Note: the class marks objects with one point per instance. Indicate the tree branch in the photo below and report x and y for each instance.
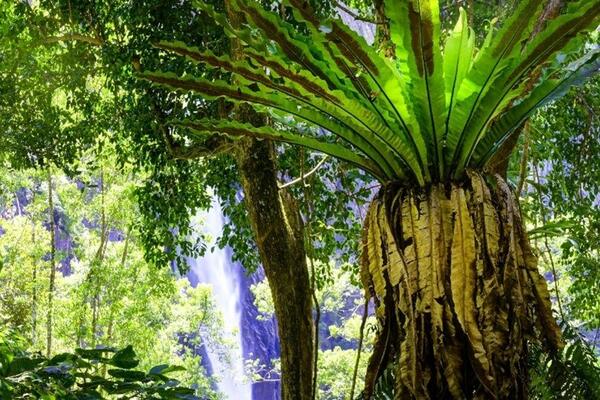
(360, 345)
(212, 146)
(95, 41)
(304, 176)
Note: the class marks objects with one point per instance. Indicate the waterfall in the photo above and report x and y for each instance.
(217, 270)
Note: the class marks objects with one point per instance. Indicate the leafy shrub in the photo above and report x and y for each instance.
(102, 373)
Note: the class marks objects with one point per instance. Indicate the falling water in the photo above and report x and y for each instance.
(216, 269)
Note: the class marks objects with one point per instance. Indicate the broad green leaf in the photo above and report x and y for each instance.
(458, 57)
(125, 358)
(558, 34)
(550, 89)
(550, 229)
(331, 103)
(295, 50)
(20, 364)
(423, 116)
(127, 375)
(237, 129)
(415, 30)
(245, 35)
(488, 67)
(370, 144)
(383, 85)
(165, 369)
(94, 354)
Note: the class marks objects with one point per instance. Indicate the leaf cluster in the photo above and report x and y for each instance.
(85, 374)
(424, 116)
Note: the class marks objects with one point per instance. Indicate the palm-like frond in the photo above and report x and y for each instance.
(426, 115)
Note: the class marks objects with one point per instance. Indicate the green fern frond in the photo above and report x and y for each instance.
(428, 114)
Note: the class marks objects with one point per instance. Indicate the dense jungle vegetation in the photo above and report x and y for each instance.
(299, 199)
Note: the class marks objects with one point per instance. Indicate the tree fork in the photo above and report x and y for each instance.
(466, 289)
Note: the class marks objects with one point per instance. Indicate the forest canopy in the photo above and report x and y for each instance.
(299, 199)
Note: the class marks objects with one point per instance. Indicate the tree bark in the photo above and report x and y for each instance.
(34, 295)
(279, 236)
(52, 267)
(384, 36)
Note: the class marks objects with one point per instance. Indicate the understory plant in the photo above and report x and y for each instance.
(100, 373)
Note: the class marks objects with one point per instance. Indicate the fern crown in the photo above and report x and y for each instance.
(427, 114)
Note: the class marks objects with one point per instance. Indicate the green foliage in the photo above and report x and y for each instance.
(82, 375)
(75, 89)
(574, 373)
(338, 300)
(109, 295)
(53, 89)
(75, 97)
(584, 304)
(124, 113)
(561, 197)
(384, 388)
(423, 116)
(336, 368)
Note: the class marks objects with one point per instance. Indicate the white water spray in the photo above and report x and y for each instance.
(216, 269)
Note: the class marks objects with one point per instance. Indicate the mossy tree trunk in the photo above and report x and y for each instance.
(279, 235)
(278, 231)
(457, 291)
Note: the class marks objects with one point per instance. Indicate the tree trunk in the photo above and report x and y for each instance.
(278, 231)
(457, 291)
(279, 236)
(95, 273)
(52, 267)
(34, 295)
(95, 317)
(384, 36)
